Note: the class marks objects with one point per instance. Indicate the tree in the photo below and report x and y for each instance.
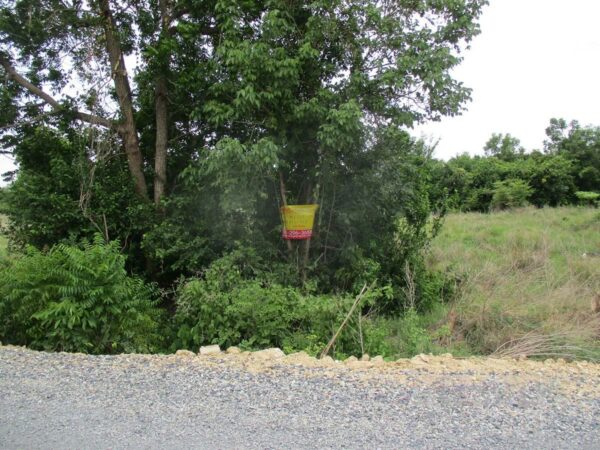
(245, 60)
(504, 146)
(511, 193)
(61, 195)
(556, 132)
(238, 106)
(580, 145)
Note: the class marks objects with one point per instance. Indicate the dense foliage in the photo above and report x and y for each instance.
(234, 109)
(509, 176)
(77, 299)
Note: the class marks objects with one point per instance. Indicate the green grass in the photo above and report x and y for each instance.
(520, 275)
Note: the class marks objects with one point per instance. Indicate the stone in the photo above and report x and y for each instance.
(184, 353)
(299, 356)
(447, 356)
(365, 357)
(420, 359)
(210, 350)
(327, 360)
(359, 364)
(233, 350)
(269, 353)
(378, 360)
(350, 360)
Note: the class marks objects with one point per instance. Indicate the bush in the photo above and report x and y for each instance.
(588, 198)
(77, 299)
(231, 305)
(510, 193)
(234, 304)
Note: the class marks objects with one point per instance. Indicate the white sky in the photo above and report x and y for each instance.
(534, 60)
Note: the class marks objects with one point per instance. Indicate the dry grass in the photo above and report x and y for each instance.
(528, 280)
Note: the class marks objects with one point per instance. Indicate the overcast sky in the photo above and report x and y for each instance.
(534, 60)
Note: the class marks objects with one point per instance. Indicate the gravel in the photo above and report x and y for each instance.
(133, 401)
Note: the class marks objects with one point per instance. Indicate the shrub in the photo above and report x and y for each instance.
(588, 198)
(233, 304)
(249, 313)
(77, 299)
(510, 193)
(415, 337)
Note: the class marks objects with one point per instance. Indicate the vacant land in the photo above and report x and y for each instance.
(526, 281)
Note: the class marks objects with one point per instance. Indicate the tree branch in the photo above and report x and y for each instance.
(23, 82)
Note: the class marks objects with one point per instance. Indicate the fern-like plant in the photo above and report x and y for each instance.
(77, 299)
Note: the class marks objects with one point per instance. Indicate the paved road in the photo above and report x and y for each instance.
(75, 401)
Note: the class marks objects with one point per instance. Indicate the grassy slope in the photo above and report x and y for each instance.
(523, 272)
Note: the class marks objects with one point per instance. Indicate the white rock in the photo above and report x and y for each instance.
(269, 353)
(233, 350)
(378, 360)
(351, 359)
(365, 357)
(300, 357)
(420, 358)
(210, 350)
(185, 353)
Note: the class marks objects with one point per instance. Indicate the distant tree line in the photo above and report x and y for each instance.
(567, 171)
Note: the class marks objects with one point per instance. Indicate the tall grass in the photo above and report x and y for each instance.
(526, 278)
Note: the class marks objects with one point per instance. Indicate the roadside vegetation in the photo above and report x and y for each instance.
(145, 214)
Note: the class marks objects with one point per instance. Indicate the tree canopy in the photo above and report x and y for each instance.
(179, 128)
(299, 75)
(567, 170)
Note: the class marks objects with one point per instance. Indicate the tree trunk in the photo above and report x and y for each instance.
(306, 246)
(161, 110)
(127, 129)
(162, 136)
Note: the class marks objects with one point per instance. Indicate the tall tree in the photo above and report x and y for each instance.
(503, 146)
(57, 43)
(229, 95)
(581, 145)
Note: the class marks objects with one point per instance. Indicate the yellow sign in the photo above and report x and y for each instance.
(298, 221)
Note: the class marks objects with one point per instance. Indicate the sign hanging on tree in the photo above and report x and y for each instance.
(298, 221)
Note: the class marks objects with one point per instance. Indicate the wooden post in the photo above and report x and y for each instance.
(284, 201)
(337, 333)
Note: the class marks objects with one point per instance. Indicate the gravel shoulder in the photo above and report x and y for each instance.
(248, 400)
